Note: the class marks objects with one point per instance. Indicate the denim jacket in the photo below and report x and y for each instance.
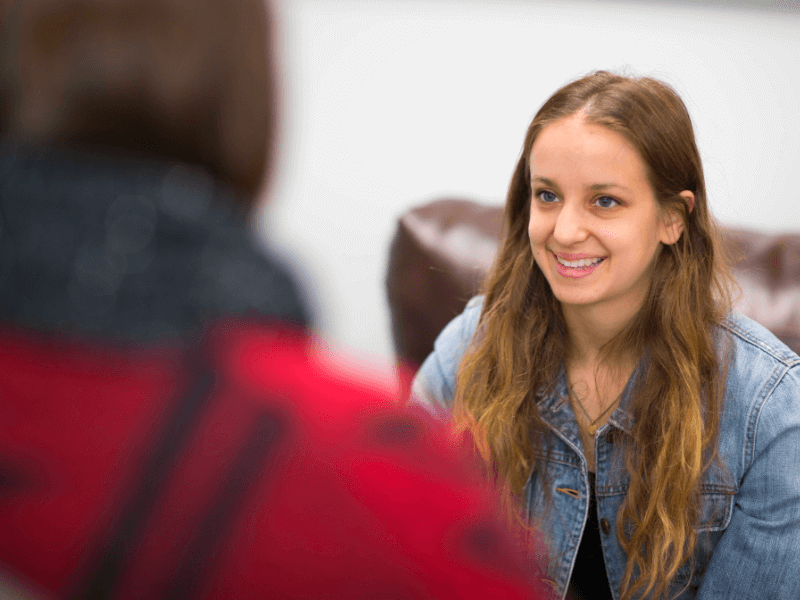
(749, 531)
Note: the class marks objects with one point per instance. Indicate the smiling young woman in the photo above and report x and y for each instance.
(648, 431)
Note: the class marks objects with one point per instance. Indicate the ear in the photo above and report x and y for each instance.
(688, 197)
(673, 223)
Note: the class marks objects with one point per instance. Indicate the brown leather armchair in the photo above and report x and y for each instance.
(442, 251)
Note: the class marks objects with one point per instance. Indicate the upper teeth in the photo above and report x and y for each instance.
(584, 262)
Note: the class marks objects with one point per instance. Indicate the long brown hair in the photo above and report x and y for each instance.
(522, 342)
(185, 79)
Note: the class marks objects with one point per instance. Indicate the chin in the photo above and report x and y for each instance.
(571, 301)
(576, 297)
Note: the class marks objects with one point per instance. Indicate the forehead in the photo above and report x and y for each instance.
(574, 149)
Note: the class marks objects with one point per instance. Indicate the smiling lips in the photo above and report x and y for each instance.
(580, 267)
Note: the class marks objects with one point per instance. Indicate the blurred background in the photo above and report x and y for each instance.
(390, 104)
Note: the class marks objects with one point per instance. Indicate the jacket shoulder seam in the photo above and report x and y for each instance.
(738, 331)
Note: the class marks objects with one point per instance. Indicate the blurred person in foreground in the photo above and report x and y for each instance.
(167, 430)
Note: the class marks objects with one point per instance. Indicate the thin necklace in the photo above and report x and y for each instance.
(592, 428)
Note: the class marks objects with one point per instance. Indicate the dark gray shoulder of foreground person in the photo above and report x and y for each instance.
(128, 248)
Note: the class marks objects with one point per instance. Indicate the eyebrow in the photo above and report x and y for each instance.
(595, 187)
(543, 180)
(599, 187)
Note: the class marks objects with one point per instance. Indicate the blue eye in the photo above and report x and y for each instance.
(547, 196)
(606, 202)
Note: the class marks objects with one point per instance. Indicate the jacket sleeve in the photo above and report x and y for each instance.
(434, 384)
(758, 556)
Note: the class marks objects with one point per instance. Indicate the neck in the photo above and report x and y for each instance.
(590, 328)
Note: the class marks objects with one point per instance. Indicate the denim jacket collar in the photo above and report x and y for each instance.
(555, 409)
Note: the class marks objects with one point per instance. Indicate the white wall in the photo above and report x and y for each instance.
(389, 104)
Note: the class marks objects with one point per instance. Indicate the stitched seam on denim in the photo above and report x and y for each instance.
(752, 423)
(715, 526)
(581, 462)
(574, 544)
(715, 489)
(610, 490)
(562, 459)
(554, 510)
(724, 520)
(710, 489)
(738, 331)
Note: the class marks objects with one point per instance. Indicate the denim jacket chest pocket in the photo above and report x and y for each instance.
(562, 522)
(716, 506)
(717, 498)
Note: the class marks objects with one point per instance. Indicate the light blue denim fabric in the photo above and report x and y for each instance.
(749, 542)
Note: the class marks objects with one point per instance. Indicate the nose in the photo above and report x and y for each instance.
(571, 226)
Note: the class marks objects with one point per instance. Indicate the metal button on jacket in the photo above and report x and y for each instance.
(605, 526)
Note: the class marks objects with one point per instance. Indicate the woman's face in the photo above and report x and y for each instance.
(595, 225)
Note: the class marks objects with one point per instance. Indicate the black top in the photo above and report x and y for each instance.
(589, 579)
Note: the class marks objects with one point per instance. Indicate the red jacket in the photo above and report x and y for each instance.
(246, 466)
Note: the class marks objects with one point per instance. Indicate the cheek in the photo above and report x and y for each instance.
(641, 247)
(536, 232)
